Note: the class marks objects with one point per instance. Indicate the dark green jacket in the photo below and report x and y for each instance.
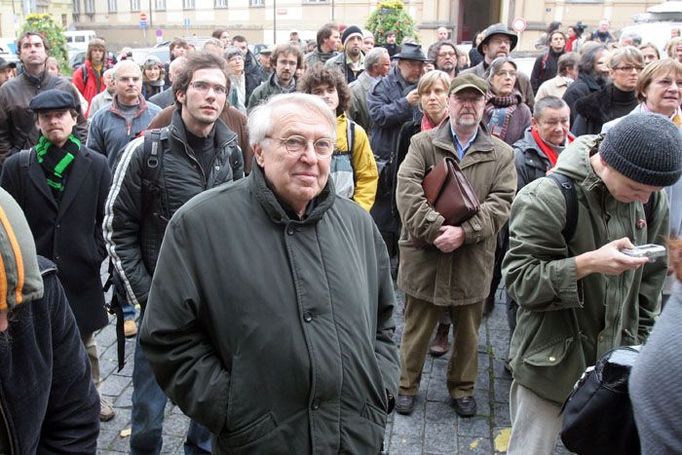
(565, 324)
(275, 334)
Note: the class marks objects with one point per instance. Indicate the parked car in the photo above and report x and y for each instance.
(141, 54)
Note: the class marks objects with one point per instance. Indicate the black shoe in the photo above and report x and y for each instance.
(405, 404)
(465, 406)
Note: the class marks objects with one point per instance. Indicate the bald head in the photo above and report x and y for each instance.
(175, 67)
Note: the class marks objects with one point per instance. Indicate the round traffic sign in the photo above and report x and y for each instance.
(143, 16)
(519, 24)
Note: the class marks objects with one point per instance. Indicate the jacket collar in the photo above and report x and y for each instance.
(115, 106)
(442, 137)
(222, 134)
(273, 206)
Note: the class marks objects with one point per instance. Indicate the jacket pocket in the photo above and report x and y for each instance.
(374, 414)
(251, 432)
(549, 354)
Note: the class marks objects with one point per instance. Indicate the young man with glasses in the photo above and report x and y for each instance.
(155, 176)
(270, 313)
(286, 59)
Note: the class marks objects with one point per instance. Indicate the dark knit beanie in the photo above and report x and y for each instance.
(646, 148)
(350, 31)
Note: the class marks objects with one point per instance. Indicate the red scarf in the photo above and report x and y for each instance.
(548, 150)
(428, 124)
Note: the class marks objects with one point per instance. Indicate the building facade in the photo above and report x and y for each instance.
(268, 21)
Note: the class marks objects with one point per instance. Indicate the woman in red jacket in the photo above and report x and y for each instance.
(88, 77)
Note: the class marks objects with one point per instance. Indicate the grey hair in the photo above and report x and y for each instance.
(262, 118)
(497, 64)
(212, 42)
(126, 64)
(548, 102)
(627, 54)
(373, 56)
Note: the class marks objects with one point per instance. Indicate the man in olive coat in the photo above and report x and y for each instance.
(455, 270)
(61, 185)
(283, 342)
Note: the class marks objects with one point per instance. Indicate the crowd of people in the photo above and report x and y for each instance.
(257, 212)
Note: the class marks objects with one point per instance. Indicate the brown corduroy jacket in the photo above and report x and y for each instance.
(233, 119)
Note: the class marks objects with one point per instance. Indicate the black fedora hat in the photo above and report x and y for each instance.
(411, 51)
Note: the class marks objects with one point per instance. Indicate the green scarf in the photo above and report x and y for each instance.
(55, 161)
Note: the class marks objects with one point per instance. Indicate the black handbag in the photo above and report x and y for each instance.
(597, 416)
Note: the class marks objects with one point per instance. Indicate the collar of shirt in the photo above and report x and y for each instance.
(462, 148)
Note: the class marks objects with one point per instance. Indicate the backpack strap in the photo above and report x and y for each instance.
(567, 188)
(84, 72)
(350, 140)
(152, 187)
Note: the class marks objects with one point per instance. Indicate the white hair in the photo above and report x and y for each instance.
(262, 118)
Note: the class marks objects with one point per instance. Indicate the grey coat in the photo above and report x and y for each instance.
(283, 342)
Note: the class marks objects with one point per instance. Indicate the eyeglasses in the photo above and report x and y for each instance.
(506, 73)
(297, 145)
(628, 68)
(203, 87)
(499, 41)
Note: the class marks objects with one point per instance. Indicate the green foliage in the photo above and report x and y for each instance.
(391, 15)
(54, 37)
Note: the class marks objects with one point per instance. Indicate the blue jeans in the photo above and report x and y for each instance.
(146, 417)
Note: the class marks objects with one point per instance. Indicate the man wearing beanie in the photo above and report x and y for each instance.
(351, 62)
(580, 295)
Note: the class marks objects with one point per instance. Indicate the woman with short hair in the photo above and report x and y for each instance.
(616, 99)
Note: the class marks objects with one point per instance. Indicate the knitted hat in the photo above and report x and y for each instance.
(352, 30)
(646, 148)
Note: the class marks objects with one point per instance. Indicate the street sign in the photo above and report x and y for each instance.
(144, 24)
(143, 17)
(519, 24)
(185, 22)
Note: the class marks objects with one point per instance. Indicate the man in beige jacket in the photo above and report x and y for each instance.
(455, 270)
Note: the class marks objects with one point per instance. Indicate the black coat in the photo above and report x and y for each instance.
(68, 233)
(585, 85)
(46, 392)
(545, 68)
(597, 108)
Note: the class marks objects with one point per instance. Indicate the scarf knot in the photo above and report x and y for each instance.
(56, 161)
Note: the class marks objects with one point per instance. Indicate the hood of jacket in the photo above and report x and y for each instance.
(20, 279)
(574, 161)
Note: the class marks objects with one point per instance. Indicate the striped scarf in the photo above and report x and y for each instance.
(56, 161)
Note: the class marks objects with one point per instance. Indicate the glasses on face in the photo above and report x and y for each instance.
(203, 88)
(287, 63)
(506, 73)
(628, 68)
(129, 79)
(467, 99)
(500, 41)
(297, 145)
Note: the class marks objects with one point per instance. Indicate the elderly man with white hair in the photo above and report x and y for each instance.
(282, 342)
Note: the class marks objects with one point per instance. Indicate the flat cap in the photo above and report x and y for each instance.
(52, 100)
(4, 64)
(468, 80)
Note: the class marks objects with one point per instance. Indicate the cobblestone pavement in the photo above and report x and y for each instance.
(433, 428)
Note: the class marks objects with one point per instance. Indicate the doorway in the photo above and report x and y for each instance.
(474, 16)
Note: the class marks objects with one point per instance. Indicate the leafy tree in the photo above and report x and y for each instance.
(53, 35)
(390, 15)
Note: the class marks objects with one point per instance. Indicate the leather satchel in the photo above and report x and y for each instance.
(449, 192)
